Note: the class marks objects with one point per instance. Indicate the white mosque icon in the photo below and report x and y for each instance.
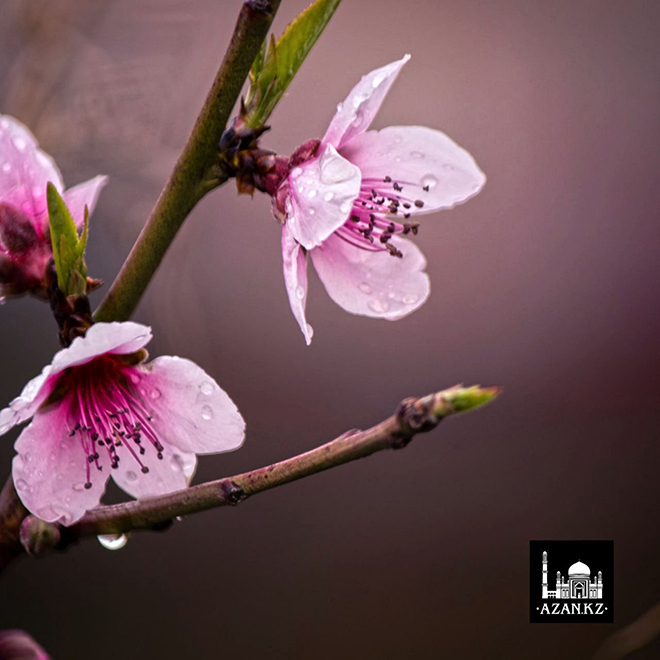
(579, 585)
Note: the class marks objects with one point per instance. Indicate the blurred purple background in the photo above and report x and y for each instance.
(546, 283)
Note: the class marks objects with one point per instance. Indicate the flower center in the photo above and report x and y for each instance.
(107, 414)
(380, 211)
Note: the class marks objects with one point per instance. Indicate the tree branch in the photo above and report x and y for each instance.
(193, 174)
(413, 416)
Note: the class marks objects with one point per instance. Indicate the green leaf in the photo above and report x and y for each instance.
(68, 248)
(273, 70)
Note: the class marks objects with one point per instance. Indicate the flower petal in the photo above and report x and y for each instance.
(102, 338)
(171, 473)
(27, 403)
(416, 157)
(84, 194)
(50, 469)
(295, 280)
(356, 113)
(190, 411)
(373, 283)
(321, 195)
(24, 171)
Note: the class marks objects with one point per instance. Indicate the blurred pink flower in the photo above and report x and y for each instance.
(97, 410)
(25, 246)
(349, 197)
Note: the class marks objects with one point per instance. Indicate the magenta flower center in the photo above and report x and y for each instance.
(380, 211)
(106, 411)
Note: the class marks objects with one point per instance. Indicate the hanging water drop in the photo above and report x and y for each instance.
(207, 413)
(113, 541)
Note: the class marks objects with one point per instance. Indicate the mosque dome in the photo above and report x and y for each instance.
(579, 569)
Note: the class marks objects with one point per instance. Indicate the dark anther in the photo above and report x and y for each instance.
(394, 208)
(88, 485)
(426, 188)
(355, 218)
(419, 203)
(391, 228)
(160, 455)
(145, 469)
(397, 187)
(90, 459)
(406, 205)
(388, 179)
(393, 251)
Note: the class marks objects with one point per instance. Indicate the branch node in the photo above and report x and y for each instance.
(39, 537)
(260, 7)
(414, 416)
(232, 493)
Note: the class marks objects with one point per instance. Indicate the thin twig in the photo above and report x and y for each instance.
(413, 416)
(190, 180)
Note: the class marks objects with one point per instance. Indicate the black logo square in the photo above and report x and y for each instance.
(571, 581)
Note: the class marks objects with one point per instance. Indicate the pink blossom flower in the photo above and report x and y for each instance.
(25, 246)
(97, 410)
(348, 198)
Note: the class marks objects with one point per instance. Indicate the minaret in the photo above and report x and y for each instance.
(558, 586)
(544, 583)
(599, 590)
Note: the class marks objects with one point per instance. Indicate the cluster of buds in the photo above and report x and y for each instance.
(253, 167)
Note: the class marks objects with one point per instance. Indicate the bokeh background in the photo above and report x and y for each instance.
(546, 283)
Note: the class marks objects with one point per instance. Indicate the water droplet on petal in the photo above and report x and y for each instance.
(131, 476)
(416, 155)
(312, 193)
(301, 189)
(410, 298)
(379, 306)
(397, 159)
(79, 487)
(398, 139)
(27, 457)
(155, 393)
(345, 207)
(21, 484)
(376, 82)
(340, 107)
(20, 143)
(135, 378)
(207, 413)
(300, 293)
(429, 181)
(328, 196)
(6, 167)
(365, 287)
(113, 541)
(391, 295)
(206, 388)
(297, 171)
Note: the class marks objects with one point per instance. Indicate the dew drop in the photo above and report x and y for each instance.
(135, 378)
(410, 298)
(21, 484)
(312, 193)
(429, 181)
(365, 287)
(206, 388)
(311, 211)
(378, 80)
(416, 155)
(297, 171)
(300, 293)
(345, 207)
(397, 159)
(27, 457)
(155, 393)
(79, 487)
(328, 196)
(301, 189)
(20, 143)
(6, 167)
(391, 295)
(113, 541)
(379, 306)
(207, 413)
(340, 107)
(131, 476)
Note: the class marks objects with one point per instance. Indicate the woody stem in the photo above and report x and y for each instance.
(197, 171)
